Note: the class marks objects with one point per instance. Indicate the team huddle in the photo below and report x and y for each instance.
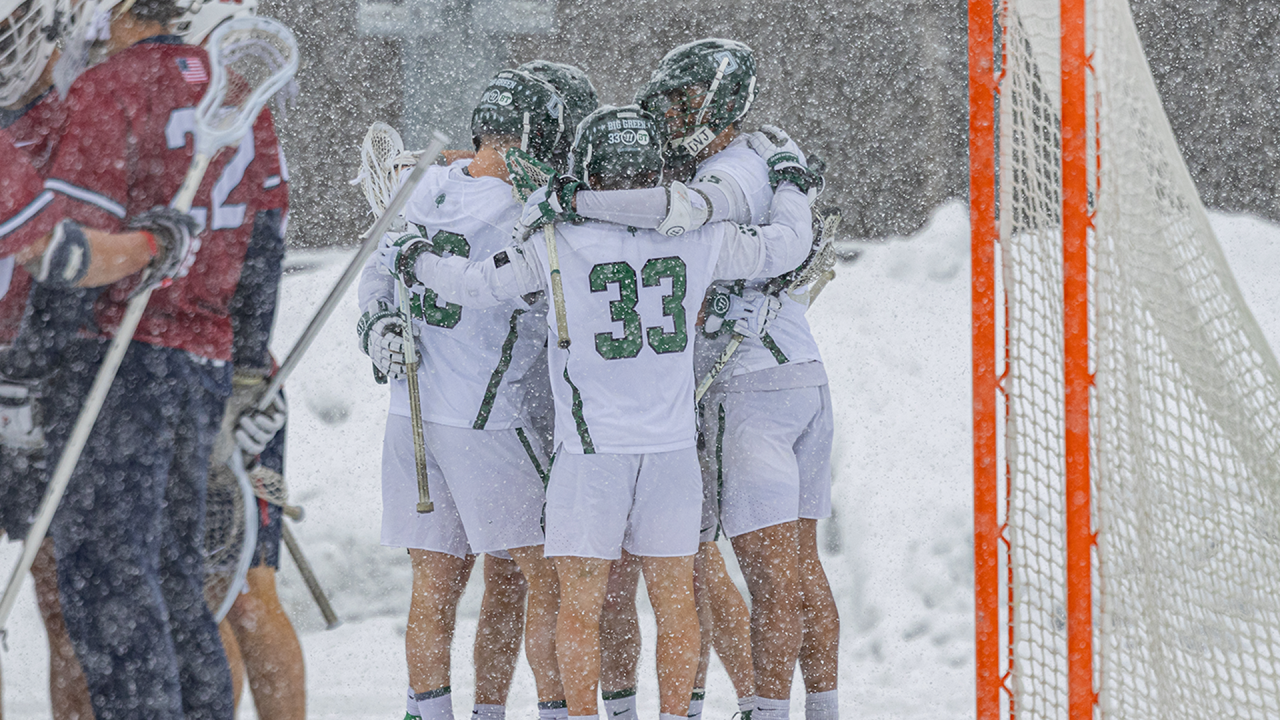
(593, 330)
(556, 345)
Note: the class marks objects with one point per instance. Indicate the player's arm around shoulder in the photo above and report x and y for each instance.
(762, 251)
(506, 275)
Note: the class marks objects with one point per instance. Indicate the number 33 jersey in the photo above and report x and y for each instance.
(473, 359)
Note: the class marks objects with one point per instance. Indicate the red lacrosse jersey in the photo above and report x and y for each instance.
(23, 199)
(34, 130)
(126, 147)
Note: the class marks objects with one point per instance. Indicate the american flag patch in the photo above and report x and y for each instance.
(192, 70)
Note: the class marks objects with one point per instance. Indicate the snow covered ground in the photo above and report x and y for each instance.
(894, 332)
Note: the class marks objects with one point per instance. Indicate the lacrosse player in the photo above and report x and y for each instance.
(486, 474)
(626, 471)
(129, 532)
(768, 424)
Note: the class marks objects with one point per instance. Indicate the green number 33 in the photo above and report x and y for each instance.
(623, 309)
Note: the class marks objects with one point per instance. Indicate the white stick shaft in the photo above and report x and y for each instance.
(557, 287)
(191, 183)
(249, 544)
(74, 447)
(371, 240)
(714, 373)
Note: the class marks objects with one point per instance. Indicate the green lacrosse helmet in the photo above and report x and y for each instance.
(519, 105)
(722, 72)
(580, 99)
(617, 142)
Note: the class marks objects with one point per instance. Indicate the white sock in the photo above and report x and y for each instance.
(695, 703)
(553, 710)
(668, 716)
(584, 717)
(746, 705)
(769, 709)
(620, 705)
(488, 712)
(822, 706)
(435, 704)
(411, 706)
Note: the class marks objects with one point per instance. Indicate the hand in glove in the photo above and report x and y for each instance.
(177, 243)
(20, 428)
(547, 204)
(786, 162)
(381, 331)
(748, 314)
(256, 428)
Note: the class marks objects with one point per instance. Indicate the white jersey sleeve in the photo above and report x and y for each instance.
(497, 279)
(377, 284)
(765, 251)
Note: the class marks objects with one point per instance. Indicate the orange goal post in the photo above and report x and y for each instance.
(1126, 406)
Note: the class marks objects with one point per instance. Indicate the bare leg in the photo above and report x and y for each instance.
(269, 645)
(670, 585)
(498, 632)
(702, 602)
(540, 626)
(67, 687)
(730, 622)
(438, 582)
(620, 627)
(769, 558)
(234, 659)
(582, 589)
(820, 651)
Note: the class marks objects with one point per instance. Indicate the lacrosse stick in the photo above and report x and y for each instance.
(369, 243)
(265, 55)
(309, 577)
(527, 175)
(814, 269)
(382, 159)
(229, 545)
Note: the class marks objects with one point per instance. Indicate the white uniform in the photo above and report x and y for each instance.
(626, 472)
(767, 422)
(487, 478)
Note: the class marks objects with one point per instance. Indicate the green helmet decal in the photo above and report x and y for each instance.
(580, 99)
(519, 105)
(617, 142)
(700, 88)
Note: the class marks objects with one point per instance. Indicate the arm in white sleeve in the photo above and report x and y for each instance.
(376, 281)
(690, 207)
(504, 276)
(765, 251)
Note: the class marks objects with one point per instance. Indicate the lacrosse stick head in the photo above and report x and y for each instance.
(252, 58)
(527, 173)
(383, 160)
(224, 536)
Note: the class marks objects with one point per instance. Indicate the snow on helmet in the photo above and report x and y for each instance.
(200, 17)
(720, 72)
(617, 142)
(580, 99)
(520, 105)
(29, 33)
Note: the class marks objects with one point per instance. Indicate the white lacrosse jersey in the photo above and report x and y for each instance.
(472, 361)
(788, 337)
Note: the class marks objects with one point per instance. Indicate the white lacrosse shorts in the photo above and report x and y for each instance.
(767, 453)
(599, 504)
(486, 486)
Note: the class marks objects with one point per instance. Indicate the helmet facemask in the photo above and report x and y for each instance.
(28, 37)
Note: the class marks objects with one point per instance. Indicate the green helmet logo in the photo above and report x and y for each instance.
(618, 143)
(517, 104)
(699, 89)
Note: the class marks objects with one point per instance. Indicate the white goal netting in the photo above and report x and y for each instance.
(1185, 412)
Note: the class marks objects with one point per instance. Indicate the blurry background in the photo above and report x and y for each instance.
(877, 87)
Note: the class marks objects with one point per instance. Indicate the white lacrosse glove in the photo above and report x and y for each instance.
(751, 312)
(785, 160)
(381, 331)
(256, 428)
(20, 428)
(550, 203)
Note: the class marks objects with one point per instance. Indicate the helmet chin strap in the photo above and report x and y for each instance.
(703, 136)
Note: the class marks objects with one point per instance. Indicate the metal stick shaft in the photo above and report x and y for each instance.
(309, 577)
(415, 403)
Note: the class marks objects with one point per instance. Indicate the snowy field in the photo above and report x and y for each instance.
(894, 333)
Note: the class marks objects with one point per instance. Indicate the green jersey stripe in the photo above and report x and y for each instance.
(584, 433)
(528, 448)
(495, 380)
(772, 347)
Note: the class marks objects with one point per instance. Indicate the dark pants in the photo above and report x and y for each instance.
(129, 534)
